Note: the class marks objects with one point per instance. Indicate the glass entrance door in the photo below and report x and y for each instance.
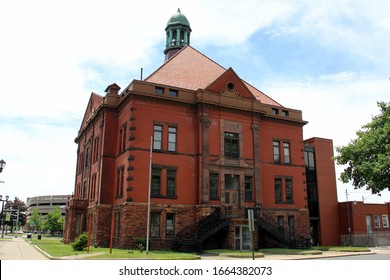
(242, 238)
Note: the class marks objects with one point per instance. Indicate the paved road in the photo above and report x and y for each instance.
(18, 249)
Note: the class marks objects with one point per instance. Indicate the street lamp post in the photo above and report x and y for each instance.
(2, 213)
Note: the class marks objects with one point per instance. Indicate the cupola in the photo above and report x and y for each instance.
(177, 34)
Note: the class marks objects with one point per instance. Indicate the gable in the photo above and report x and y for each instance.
(230, 84)
(94, 102)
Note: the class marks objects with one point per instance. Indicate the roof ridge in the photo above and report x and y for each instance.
(262, 92)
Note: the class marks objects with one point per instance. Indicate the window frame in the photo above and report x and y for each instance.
(377, 221)
(173, 134)
(156, 174)
(248, 191)
(276, 151)
(171, 189)
(157, 140)
(155, 228)
(214, 187)
(286, 153)
(385, 218)
(231, 144)
(278, 186)
(170, 229)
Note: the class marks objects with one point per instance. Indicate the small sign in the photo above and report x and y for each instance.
(251, 220)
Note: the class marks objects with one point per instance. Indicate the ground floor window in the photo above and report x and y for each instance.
(170, 225)
(242, 238)
(155, 225)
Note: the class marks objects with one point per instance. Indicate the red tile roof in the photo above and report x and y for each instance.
(193, 70)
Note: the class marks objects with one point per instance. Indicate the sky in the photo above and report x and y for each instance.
(329, 59)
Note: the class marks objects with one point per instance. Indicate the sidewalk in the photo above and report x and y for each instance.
(18, 249)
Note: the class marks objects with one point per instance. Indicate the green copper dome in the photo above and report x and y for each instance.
(178, 19)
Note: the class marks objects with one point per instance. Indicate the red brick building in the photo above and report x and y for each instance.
(219, 147)
(364, 224)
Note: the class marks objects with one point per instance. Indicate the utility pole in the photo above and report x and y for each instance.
(349, 222)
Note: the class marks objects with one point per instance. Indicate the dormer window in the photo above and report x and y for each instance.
(275, 111)
(173, 92)
(159, 90)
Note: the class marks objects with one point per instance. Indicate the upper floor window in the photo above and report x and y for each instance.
(122, 138)
(171, 182)
(214, 185)
(278, 190)
(157, 137)
(173, 92)
(156, 182)
(277, 151)
(248, 188)
(231, 144)
(283, 190)
(159, 90)
(172, 139)
(120, 181)
(286, 152)
(276, 148)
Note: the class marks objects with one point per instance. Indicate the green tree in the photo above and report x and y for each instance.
(54, 220)
(36, 219)
(19, 209)
(367, 158)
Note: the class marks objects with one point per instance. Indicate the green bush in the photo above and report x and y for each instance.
(81, 242)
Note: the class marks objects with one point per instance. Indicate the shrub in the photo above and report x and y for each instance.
(140, 244)
(81, 242)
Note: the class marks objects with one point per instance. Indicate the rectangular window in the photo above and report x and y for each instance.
(156, 182)
(385, 221)
(117, 223)
(155, 225)
(173, 92)
(275, 111)
(280, 227)
(159, 90)
(231, 144)
(122, 138)
(171, 183)
(289, 190)
(170, 226)
(377, 221)
(248, 188)
(120, 181)
(157, 137)
(276, 151)
(291, 226)
(278, 190)
(286, 152)
(285, 113)
(214, 185)
(172, 139)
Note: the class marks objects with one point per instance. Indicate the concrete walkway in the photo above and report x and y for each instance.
(18, 249)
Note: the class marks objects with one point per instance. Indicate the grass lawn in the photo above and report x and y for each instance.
(55, 248)
(341, 248)
(234, 253)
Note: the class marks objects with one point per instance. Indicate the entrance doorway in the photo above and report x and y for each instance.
(242, 238)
